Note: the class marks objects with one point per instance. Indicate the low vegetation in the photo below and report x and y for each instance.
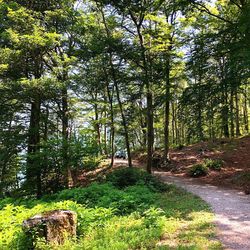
(198, 170)
(141, 213)
(213, 164)
(202, 169)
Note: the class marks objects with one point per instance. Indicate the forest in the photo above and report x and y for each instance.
(83, 82)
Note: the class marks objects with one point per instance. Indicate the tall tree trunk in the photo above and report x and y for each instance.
(105, 137)
(149, 97)
(150, 129)
(167, 107)
(45, 139)
(237, 114)
(97, 127)
(173, 123)
(113, 73)
(112, 125)
(124, 121)
(143, 125)
(105, 126)
(199, 109)
(224, 111)
(65, 136)
(199, 123)
(33, 174)
(245, 111)
(232, 112)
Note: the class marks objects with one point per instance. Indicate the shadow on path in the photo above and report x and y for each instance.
(231, 208)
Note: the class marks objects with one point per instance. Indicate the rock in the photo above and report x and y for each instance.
(55, 226)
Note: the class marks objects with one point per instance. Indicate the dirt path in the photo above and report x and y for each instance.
(231, 208)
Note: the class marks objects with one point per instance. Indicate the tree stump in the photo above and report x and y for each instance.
(55, 226)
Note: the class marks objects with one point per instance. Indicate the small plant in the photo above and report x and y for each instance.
(178, 146)
(198, 170)
(152, 216)
(213, 164)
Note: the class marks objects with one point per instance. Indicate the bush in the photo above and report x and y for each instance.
(128, 200)
(90, 162)
(198, 170)
(178, 146)
(126, 177)
(213, 164)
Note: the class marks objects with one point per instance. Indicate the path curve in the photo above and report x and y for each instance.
(231, 208)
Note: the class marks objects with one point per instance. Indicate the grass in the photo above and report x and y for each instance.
(138, 215)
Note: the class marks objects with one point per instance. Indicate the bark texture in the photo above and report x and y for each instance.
(55, 226)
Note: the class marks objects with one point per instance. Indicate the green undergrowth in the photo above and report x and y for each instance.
(141, 213)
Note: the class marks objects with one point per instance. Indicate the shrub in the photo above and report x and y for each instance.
(198, 170)
(126, 177)
(178, 146)
(90, 162)
(213, 164)
(128, 200)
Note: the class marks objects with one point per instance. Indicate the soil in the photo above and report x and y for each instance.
(235, 154)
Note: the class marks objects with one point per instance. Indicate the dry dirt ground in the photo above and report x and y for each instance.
(235, 155)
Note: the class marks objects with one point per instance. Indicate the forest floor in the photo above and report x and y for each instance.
(231, 208)
(235, 154)
(221, 189)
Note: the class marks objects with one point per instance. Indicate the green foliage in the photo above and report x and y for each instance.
(198, 170)
(178, 146)
(125, 177)
(202, 169)
(134, 217)
(213, 164)
(90, 162)
(130, 199)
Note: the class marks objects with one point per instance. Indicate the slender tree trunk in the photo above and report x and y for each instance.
(45, 139)
(173, 123)
(65, 135)
(150, 129)
(105, 137)
(113, 73)
(149, 97)
(176, 125)
(245, 111)
(33, 174)
(112, 136)
(124, 122)
(143, 125)
(232, 112)
(167, 107)
(199, 107)
(97, 128)
(105, 126)
(112, 126)
(224, 112)
(237, 112)
(166, 127)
